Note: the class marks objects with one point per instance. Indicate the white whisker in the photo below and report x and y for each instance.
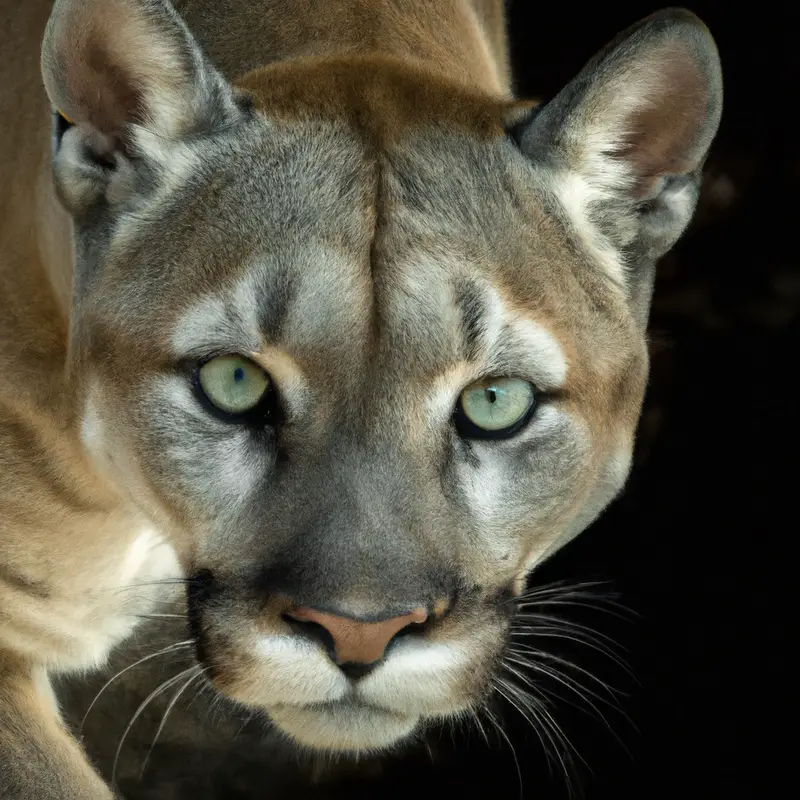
(192, 678)
(142, 706)
(499, 729)
(522, 650)
(564, 680)
(578, 627)
(582, 636)
(534, 622)
(530, 715)
(563, 588)
(501, 687)
(543, 723)
(164, 582)
(170, 649)
(479, 725)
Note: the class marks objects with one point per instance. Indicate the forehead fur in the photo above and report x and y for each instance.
(384, 99)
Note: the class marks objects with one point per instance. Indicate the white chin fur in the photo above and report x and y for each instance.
(343, 727)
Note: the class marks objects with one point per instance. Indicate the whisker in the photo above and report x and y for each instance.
(540, 615)
(579, 637)
(608, 608)
(142, 706)
(181, 617)
(430, 752)
(500, 730)
(575, 634)
(505, 691)
(543, 722)
(529, 617)
(565, 588)
(522, 650)
(577, 595)
(479, 725)
(244, 724)
(192, 678)
(204, 686)
(612, 701)
(161, 582)
(569, 683)
(170, 649)
(566, 633)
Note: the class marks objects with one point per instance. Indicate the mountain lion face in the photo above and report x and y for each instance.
(366, 344)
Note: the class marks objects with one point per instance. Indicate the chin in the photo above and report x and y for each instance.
(343, 727)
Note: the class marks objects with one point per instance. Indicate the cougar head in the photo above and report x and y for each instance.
(367, 345)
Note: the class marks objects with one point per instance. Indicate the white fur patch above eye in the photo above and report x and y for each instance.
(548, 361)
(92, 427)
(323, 301)
(525, 348)
(210, 324)
(542, 358)
(137, 554)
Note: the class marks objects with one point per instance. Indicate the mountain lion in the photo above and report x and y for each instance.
(301, 308)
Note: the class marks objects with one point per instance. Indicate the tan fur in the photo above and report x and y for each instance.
(93, 514)
(462, 40)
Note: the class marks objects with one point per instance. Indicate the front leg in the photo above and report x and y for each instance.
(39, 758)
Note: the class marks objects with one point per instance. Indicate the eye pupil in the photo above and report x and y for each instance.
(232, 385)
(495, 408)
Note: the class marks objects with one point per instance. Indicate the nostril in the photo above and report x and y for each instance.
(412, 629)
(354, 670)
(312, 630)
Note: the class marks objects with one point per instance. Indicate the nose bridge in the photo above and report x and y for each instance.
(363, 492)
(359, 544)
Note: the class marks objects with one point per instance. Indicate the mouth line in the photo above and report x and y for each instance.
(345, 704)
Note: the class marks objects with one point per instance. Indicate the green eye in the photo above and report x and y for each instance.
(495, 408)
(233, 384)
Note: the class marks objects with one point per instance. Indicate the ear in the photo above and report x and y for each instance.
(623, 146)
(131, 84)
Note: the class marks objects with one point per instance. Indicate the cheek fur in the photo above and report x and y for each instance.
(214, 464)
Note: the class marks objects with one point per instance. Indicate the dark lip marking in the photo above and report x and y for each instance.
(352, 703)
(199, 589)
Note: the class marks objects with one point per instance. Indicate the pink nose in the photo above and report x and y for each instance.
(356, 641)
